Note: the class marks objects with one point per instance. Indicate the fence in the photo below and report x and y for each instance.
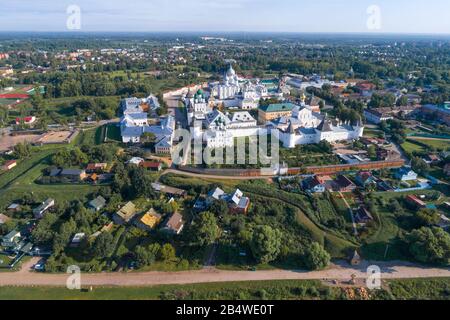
(376, 165)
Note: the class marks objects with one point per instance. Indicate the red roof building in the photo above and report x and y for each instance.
(9, 165)
(152, 165)
(413, 200)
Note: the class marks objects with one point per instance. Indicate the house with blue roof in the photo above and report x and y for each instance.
(406, 174)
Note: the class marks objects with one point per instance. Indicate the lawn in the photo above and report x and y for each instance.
(420, 145)
(410, 147)
(438, 144)
(26, 165)
(421, 289)
(113, 133)
(209, 291)
(19, 181)
(384, 243)
(410, 289)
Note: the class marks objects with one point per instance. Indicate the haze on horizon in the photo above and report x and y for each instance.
(397, 16)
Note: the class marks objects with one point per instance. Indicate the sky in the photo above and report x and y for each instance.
(355, 16)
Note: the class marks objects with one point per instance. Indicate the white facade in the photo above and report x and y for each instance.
(325, 131)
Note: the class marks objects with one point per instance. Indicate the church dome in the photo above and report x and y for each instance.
(231, 72)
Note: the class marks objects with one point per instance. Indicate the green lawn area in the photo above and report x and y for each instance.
(441, 144)
(209, 291)
(373, 133)
(410, 147)
(414, 144)
(113, 133)
(384, 243)
(4, 262)
(26, 165)
(19, 181)
(421, 289)
(410, 289)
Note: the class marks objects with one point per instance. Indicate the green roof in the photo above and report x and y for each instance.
(277, 107)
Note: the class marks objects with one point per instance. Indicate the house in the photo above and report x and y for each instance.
(136, 161)
(151, 165)
(4, 219)
(73, 174)
(8, 165)
(125, 214)
(364, 178)
(444, 222)
(26, 120)
(12, 239)
(148, 221)
(355, 259)
(238, 203)
(54, 172)
(42, 208)
(344, 184)
(377, 116)
(174, 224)
(13, 207)
(314, 184)
(77, 239)
(275, 111)
(214, 195)
(93, 178)
(363, 216)
(447, 169)
(96, 167)
(415, 202)
(97, 204)
(432, 159)
(170, 191)
(200, 204)
(406, 174)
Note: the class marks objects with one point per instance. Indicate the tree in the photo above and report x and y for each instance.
(22, 150)
(62, 238)
(265, 244)
(372, 152)
(205, 229)
(420, 166)
(103, 246)
(402, 101)
(148, 139)
(43, 233)
(167, 252)
(430, 245)
(219, 207)
(317, 257)
(141, 183)
(428, 217)
(144, 256)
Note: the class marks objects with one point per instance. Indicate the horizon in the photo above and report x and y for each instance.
(403, 17)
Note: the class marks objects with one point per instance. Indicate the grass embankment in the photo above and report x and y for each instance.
(411, 289)
(210, 291)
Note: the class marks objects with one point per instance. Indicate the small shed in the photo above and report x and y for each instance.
(355, 259)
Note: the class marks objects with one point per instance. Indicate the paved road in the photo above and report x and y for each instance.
(340, 272)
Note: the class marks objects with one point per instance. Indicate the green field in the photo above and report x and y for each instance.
(421, 145)
(211, 291)
(19, 181)
(411, 289)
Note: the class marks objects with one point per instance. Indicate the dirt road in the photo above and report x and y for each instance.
(340, 271)
(216, 177)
